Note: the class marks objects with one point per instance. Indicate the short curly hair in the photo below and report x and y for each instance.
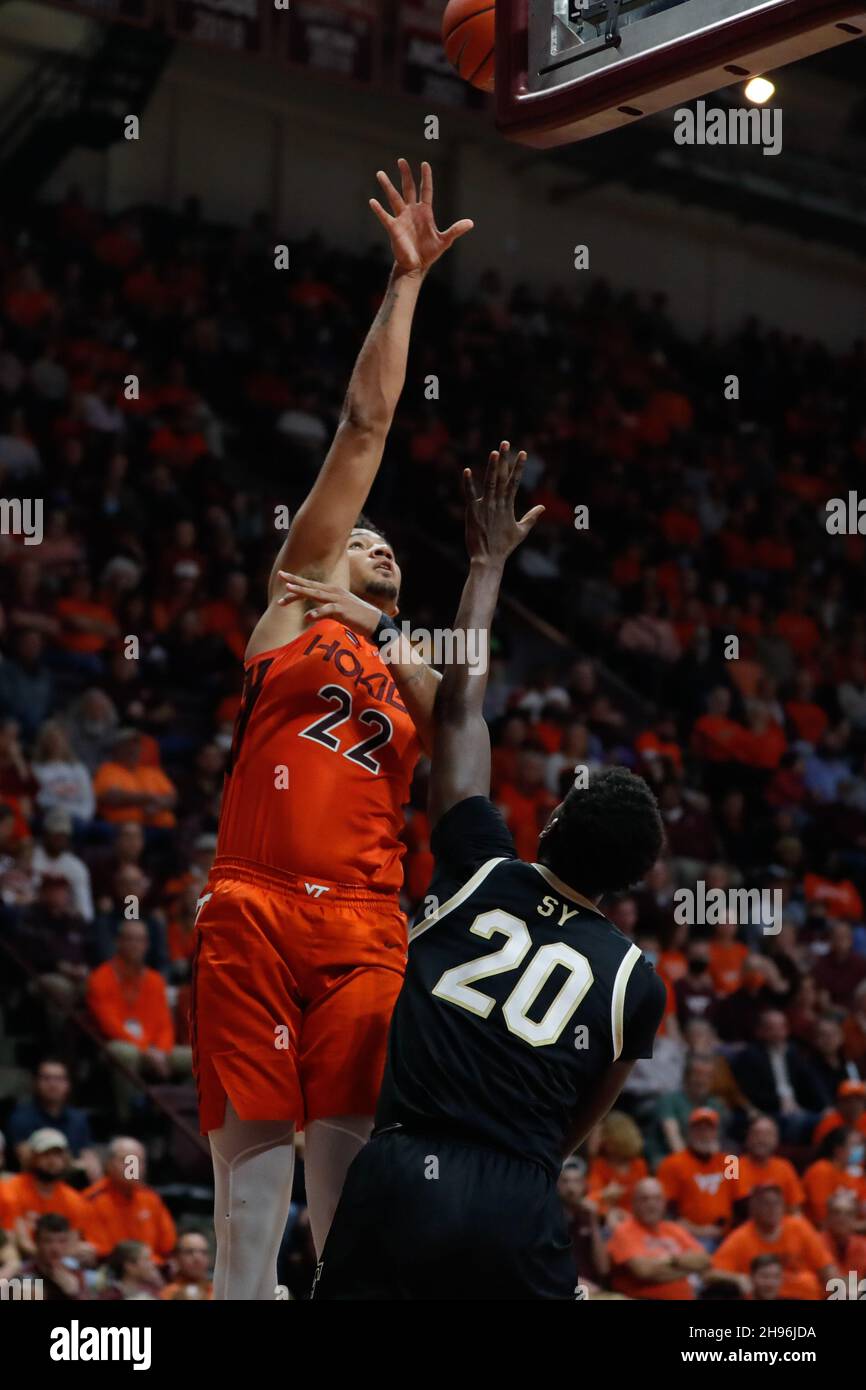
(603, 838)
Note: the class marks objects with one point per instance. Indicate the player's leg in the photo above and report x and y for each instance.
(344, 1040)
(330, 1145)
(253, 1163)
(245, 1017)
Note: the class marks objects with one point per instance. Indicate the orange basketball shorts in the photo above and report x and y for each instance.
(293, 987)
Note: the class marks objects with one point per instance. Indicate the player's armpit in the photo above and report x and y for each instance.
(598, 1100)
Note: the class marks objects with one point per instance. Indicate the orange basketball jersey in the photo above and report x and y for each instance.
(321, 761)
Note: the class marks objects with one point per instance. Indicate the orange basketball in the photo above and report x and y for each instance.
(469, 36)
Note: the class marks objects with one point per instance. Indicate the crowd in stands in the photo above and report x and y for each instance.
(164, 391)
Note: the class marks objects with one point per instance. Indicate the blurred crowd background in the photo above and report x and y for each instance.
(122, 635)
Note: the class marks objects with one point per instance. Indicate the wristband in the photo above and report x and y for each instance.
(385, 631)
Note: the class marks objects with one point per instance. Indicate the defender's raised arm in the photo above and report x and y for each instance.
(461, 742)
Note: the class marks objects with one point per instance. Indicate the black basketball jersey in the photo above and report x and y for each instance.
(518, 995)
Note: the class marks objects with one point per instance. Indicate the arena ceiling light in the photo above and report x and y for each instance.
(759, 90)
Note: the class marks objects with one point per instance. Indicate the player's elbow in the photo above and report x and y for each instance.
(366, 414)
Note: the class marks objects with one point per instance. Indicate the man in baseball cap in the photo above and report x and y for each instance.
(40, 1188)
(850, 1111)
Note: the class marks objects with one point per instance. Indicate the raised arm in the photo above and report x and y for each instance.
(461, 743)
(318, 535)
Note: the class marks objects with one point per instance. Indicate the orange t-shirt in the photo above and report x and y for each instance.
(726, 964)
(74, 640)
(602, 1172)
(146, 779)
(821, 1180)
(324, 709)
(131, 1009)
(718, 739)
(128, 1211)
(840, 899)
(775, 1171)
(801, 1249)
(632, 1241)
(697, 1187)
(833, 1120)
(20, 1197)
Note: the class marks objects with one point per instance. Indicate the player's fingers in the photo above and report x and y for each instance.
(426, 182)
(407, 181)
(289, 598)
(503, 469)
(468, 486)
(516, 474)
(488, 487)
(457, 229)
(395, 201)
(380, 212)
(527, 522)
(324, 610)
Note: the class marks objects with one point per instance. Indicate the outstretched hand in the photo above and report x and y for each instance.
(492, 529)
(415, 239)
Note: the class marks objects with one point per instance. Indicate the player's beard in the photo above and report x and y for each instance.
(378, 589)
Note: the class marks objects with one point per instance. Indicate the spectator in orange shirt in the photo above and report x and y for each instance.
(652, 1257)
(727, 958)
(129, 1005)
(839, 896)
(805, 1255)
(847, 1248)
(615, 1171)
(715, 736)
(191, 1263)
(127, 789)
(761, 1166)
(86, 625)
(850, 1111)
(525, 802)
(697, 1183)
(39, 1189)
(830, 1174)
(123, 1207)
(767, 1273)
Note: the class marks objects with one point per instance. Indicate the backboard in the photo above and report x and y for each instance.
(568, 69)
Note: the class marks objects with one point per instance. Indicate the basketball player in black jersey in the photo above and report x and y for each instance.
(522, 1012)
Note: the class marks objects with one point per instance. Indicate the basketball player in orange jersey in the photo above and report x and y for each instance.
(301, 945)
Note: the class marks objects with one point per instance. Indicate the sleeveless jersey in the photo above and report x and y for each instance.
(321, 762)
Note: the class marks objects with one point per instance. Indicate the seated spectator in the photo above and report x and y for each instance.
(41, 1188)
(618, 1166)
(131, 890)
(526, 803)
(190, 1263)
(846, 1246)
(766, 1273)
(128, 789)
(651, 1257)
(87, 625)
(776, 1078)
(63, 780)
(727, 958)
(827, 1056)
(52, 938)
(804, 1253)
(53, 858)
(131, 1273)
(831, 1173)
(129, 1005)
(698, 1180)
(850, 1111)
(842, 970)
(763, 987)
(50, 1109)
(695, 991)
(854, 1029)
(121, 1203)
(672, 1113)
(26, 684)
(53, 1261)
(18, 786)
(761, 1166)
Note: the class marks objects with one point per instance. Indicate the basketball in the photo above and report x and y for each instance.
(469, 37)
